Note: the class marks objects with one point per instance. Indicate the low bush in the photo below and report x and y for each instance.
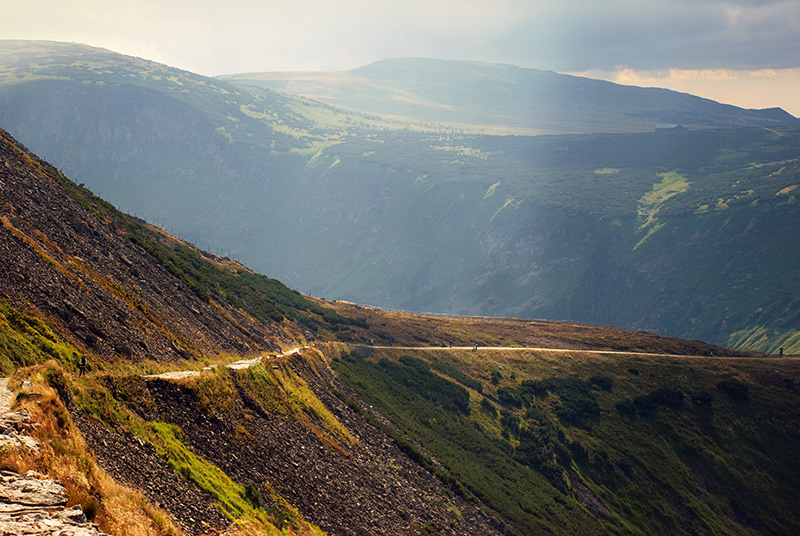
(663, 396)
(626, 407)
(457, 375)
(604, 383)
(416, 375)
(702, 398)
(671, 397)
(735, 389)
(488, 407)
(578, 402)
(509, 396)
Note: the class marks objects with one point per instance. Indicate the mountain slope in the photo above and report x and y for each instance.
(506, 99)
(189, 137)
(578, 444)
(219, 450)
(589, 430)
(685, 233)
(69, 260)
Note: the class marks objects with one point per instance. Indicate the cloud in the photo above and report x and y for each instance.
(762, 88)
(764, 73)
(650, 34)
(213, 37)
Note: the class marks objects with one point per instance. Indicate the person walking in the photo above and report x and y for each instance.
(82, 364)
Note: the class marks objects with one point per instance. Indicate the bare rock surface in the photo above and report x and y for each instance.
(14, 426)
(31, 490)
(138, 465)
(33, 505)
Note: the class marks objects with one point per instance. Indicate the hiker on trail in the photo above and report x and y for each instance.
(475, 347)
(82, 365)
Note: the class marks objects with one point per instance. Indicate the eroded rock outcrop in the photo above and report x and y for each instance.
(32, 505)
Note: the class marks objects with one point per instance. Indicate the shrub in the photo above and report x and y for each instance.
(509, 397)
(735, 389)
(603, 383)
(429, 529)
(626, 407)
(578, 450)
(702, 398)
(488, 407)
(510, 422)
(416, 375)
(663, 396)
(253, 495)
(668, 396)
(457, 375)
(577, 399)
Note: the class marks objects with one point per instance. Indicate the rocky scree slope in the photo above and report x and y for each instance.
(353, 484)
(66, 260)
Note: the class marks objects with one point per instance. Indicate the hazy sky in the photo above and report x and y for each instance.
(743, 52)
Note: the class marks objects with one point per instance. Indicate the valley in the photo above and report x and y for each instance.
(686, 233)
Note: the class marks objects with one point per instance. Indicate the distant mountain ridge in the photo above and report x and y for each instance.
(681, 233)
(498, 97)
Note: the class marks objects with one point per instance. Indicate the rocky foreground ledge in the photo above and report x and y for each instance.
(33, 505)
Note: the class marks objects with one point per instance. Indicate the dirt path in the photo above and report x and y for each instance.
(6, 396)
(235, 365)
(562, 350)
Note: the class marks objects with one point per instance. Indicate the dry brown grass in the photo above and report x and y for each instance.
(413, 329)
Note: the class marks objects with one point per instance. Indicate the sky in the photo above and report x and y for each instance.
(741, 52)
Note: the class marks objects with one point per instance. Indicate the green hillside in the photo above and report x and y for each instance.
(682, 233)
(581, 444)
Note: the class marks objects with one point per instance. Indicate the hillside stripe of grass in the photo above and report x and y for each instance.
(210, 478)
(26, 340)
